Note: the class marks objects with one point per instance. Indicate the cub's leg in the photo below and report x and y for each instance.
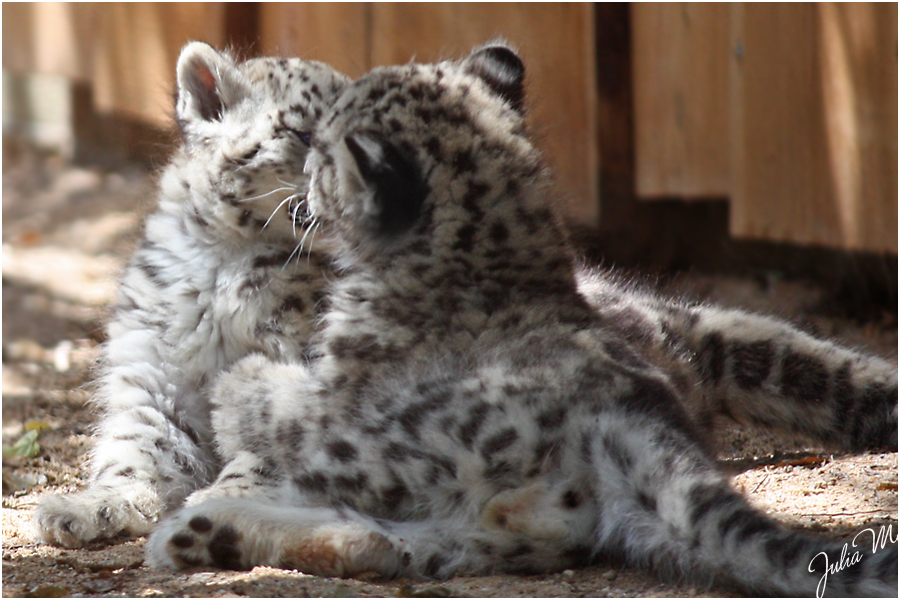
(145, 462)
(154, 445)
(246, 475)
(264, 406)
(238, 534)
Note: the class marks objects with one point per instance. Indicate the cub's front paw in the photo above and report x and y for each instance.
(98, 513)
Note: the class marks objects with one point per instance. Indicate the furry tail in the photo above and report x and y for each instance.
(764, 372)
(665, 506)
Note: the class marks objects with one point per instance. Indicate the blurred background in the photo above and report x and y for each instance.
(752, 138)
(783, 115)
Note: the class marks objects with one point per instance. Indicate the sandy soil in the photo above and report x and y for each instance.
(67, 232)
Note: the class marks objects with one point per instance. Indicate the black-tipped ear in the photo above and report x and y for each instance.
(502, 70)
(208, 83)
(392, 181)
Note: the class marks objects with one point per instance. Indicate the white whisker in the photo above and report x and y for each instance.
(308, 229)
(287, 183)
(309, 252)
(277, 208)
(281, 189)
(297, 251)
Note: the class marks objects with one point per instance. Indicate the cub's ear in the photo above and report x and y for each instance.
(502, 70)
(208, 84)
(387, 181)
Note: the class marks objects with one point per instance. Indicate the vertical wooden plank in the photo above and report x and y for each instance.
(53, 38)
(241, 23)
(336, 33)
(863, 39)
(815, 125)
(135, 55)
(557, 45)
(18, 24)
(128, 49)
(120, 62)
(681, 66)
(779, 172)
(615, 111)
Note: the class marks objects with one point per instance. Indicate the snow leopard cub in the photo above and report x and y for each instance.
(218, 275)
(469, 410)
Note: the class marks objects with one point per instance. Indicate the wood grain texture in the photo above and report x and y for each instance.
(814, 122)
(556, 42)
(680, 54)
(336, 33)
(136, 52)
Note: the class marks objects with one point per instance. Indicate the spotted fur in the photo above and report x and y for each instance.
(468, 408)
(754, 369)
(218, 275)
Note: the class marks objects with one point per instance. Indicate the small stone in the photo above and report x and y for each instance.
(115, 182)
(338, 591)
(46, 591)
(99, 586)
(610, 575)
(74, 181)
(568, 574)
(62, 356)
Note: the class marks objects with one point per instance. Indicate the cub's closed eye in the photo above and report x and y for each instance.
(303, 136)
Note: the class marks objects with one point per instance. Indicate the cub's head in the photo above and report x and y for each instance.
(246, 132)
(433, 159)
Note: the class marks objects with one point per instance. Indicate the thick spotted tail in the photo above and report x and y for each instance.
(664, 506)
(764, 372)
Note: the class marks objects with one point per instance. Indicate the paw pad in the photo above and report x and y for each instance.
(200, 524)
(182, 540)
(202, 541)
(223, 549)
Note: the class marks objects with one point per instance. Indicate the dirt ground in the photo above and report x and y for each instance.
(66, 233)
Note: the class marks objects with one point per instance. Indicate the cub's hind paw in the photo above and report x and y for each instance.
(191, 539)
(238, 534)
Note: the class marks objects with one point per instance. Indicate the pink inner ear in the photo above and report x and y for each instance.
(202, 85)
(206, 78)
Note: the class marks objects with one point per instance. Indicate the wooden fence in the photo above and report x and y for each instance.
(787, 112)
